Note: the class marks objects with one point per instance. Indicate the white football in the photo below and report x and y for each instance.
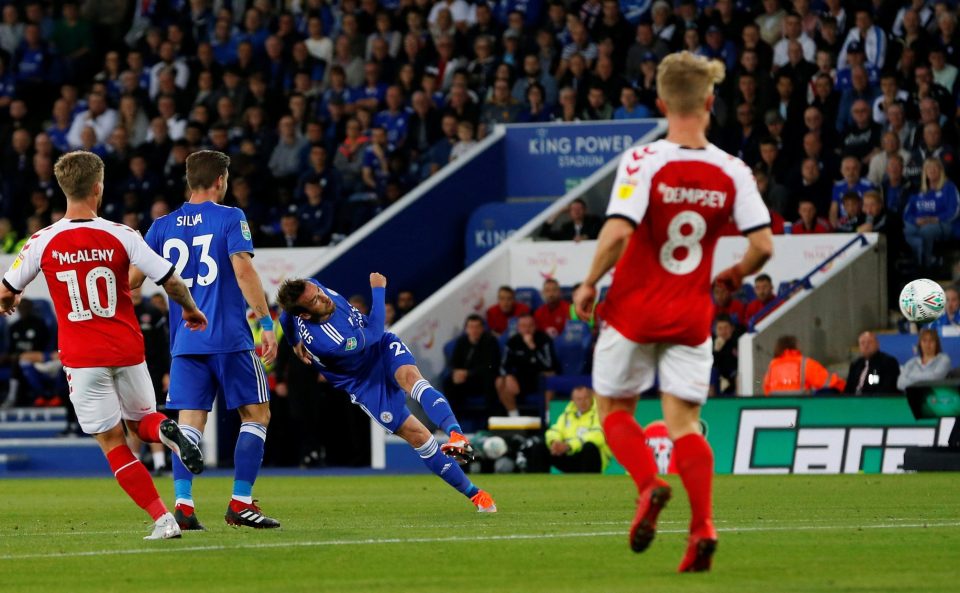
(922, 301)
(494, 447)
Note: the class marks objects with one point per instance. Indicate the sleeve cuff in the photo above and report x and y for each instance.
(10, 287)
(167, 276)
(632, 222)
(754, 229)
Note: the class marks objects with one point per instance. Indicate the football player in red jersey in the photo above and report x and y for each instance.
(670, 202)
(85, 261)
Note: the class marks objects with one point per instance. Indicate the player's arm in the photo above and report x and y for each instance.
(178, 292)
(613, 239)
(753, 219)
(378, 289)
(256, 298)
(136, 277)
(21, 273)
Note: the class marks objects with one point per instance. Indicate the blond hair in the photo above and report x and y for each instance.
(685, 80)
(77, 172)
(925, 185)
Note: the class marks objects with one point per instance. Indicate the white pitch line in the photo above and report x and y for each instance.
(453, 539)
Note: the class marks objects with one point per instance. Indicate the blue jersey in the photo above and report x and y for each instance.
(199, 240)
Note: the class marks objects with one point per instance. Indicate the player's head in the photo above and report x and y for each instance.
(304, 299)
(685, 84)
(80, 175)
(207, 170)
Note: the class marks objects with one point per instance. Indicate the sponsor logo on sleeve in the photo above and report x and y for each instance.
(17, 262)
(245, 230)
(351, 344)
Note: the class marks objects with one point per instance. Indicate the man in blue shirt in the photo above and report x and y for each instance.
(354, 353)
(211, 247)
(395, 118)
(851, 182)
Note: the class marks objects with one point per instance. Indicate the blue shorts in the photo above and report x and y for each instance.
(196, 379)
(381, 397)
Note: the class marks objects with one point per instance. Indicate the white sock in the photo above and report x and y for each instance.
(513, 413)
(159, 460)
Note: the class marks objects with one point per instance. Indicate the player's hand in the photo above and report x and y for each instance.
(584, 299)
(378, 280)
(268, 343)
(301, 351)
(195, 320)
(732, 278)
(12, 308)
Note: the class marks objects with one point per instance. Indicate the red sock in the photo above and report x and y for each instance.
(135, 481)
(626, 441)
(694, 459)
(149, 428)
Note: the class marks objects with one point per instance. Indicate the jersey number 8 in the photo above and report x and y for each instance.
(676, 239)
(183, 256)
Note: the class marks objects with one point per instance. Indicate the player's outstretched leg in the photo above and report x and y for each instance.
(417, 435)
(248, 456)
(183, 485)
(157, 428)
(440, 413)
(628, 444)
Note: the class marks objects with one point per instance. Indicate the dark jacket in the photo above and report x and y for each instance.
(568, 231)
(480, 360)
(881, 378)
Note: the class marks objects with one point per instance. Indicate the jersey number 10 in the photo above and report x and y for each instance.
(183, 256)
(78, 313)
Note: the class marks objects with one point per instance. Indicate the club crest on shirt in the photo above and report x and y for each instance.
(245, 230)
(386, 417)
(351, 344)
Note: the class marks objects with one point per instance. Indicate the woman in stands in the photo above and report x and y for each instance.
(930, 364)
(931, 214)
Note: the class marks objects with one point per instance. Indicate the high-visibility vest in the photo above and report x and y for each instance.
(794, 373)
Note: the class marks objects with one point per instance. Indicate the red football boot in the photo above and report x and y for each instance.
(651, 501)
(700, 548)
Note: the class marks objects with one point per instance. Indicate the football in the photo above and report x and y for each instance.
(922, 301)
(494, 447)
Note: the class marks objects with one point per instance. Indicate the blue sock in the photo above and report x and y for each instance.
(182, 478)
(446, 468)
(247, 459)
(435, 405)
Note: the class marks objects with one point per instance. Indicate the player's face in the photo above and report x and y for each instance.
(316, 302)
(223, 188)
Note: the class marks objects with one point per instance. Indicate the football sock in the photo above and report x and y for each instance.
(247, 458)
(135, 481)
(182, 478)
(159, 459)
(446, 468)
(626, 441)
(149, 428)
(694, 459)
(435, 405)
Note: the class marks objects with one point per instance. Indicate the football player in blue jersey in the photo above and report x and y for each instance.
(354, 353)
(211, 247)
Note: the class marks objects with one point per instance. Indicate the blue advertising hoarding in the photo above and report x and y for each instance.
(550, 159)
(492, 224)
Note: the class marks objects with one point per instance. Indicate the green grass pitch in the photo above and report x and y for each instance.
(553, 533)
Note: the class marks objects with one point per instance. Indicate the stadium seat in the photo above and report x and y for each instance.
(511, 330)
(573, 347)
(530, 297)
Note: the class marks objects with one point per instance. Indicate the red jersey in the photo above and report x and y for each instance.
(498, 321)
(755, 306)
(552, 320)
(86, 263)
(680, 199)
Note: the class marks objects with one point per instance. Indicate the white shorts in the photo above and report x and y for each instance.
(104, 395)
(624, 368)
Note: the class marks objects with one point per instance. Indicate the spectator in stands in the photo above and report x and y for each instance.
(930, 215)
(948, 324)
(291, 235)
(553, 314)
(877, 167)
(98, 116)
(862, 137)
(581, 226)
(725, 354)
(809, 223)
(29, 344)
(575, 442)
(874, 372)
(851, 182)
(406, 302)
(763, 289)
(897, 189)
(527, 357)
(466, 141)
(474, 364)
(534, 110)
(792, 373)
(853, 213)
(930, 363)
(507, 308)
(725, 304)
